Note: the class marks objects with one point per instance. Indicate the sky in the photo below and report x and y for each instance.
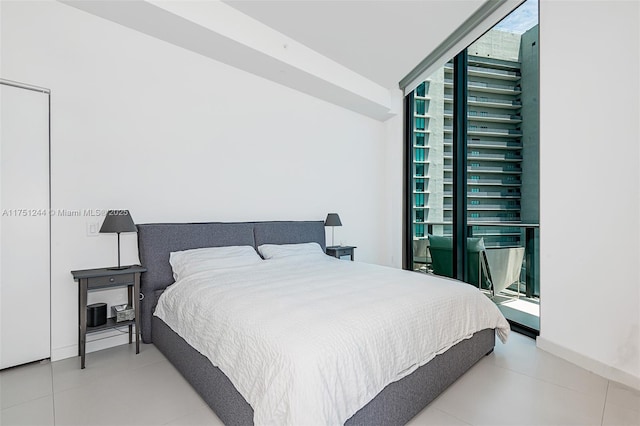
(521, 19)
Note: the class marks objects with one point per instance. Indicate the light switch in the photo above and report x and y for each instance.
(93, 229)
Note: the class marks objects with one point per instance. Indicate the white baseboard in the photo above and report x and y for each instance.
(590, 364)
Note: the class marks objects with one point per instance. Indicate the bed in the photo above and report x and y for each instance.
(394, 403)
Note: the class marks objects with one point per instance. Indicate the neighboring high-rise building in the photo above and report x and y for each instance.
(502, 137)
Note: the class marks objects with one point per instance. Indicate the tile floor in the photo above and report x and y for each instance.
(516, 385)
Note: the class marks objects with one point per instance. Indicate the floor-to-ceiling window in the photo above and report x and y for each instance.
(474, 193)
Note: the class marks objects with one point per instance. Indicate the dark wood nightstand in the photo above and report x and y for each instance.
(339, 251)
(101, 279)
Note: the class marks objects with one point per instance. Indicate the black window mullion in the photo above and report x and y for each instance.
(460, 93)
(407, 255)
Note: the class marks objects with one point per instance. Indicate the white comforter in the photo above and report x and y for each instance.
(311, 340)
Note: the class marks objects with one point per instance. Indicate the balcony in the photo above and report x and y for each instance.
(488, 117)
(494, 63)
(526, 234)
(493, 73)
(488, 143)
(487, 157)
(485, 207)
(506, 156)
(487, 131)
(508, 168)
(488, 102)
(512, 71)
(486, 181)
(488, 169)
(487, 194)
(481, 86)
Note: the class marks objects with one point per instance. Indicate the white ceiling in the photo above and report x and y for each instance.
(379, 39)
(352, 53)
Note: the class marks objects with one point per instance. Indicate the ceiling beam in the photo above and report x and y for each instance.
(220, 32)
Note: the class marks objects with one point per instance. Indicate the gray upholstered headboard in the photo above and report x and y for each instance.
(157, 240)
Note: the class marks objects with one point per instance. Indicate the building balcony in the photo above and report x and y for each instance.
(493, 102)
(488, 102)
(487, 131)
(508, 180)
(497, 144)
(487, 169)
(508, 156)
(498, 74)
(484, 87)
(494, 63)
(491, 71)
(488, 117)
(485, 208)
(486, 157)
(486, 194)
(495, 231)
(494, 144)
(495, 169)
(480, 87)
(487, 181)
(476, 116)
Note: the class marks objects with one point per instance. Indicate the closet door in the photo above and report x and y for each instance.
(24, 228)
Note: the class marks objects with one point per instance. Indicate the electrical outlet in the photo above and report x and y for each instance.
(93, 229)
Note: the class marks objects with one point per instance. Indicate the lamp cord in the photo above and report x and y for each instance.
(118, 249)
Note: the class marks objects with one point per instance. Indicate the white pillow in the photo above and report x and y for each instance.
(187, 262)
(276, 251)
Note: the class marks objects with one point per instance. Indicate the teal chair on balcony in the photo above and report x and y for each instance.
(421, 257)
(441, 249)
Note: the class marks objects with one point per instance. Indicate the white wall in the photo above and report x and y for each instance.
(173, 136)
(590, 185)
(393, 188)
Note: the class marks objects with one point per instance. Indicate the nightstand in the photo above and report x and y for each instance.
(340, 251)
(102, 279)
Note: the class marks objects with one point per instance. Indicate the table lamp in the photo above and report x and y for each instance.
(332, 220)
(118, 221)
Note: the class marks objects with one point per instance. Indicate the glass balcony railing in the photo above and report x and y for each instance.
(486, 194)
(488, 143)
(486, 101)
(482, 115)
(487, 130)
(494, 63)
(484, 85)
(497, 235)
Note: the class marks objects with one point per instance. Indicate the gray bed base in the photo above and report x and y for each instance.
(398, 403)
(394, 405)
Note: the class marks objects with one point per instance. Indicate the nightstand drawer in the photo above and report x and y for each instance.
(110, 280)
(340, 251)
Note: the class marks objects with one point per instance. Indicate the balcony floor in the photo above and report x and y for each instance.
(521, 311)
